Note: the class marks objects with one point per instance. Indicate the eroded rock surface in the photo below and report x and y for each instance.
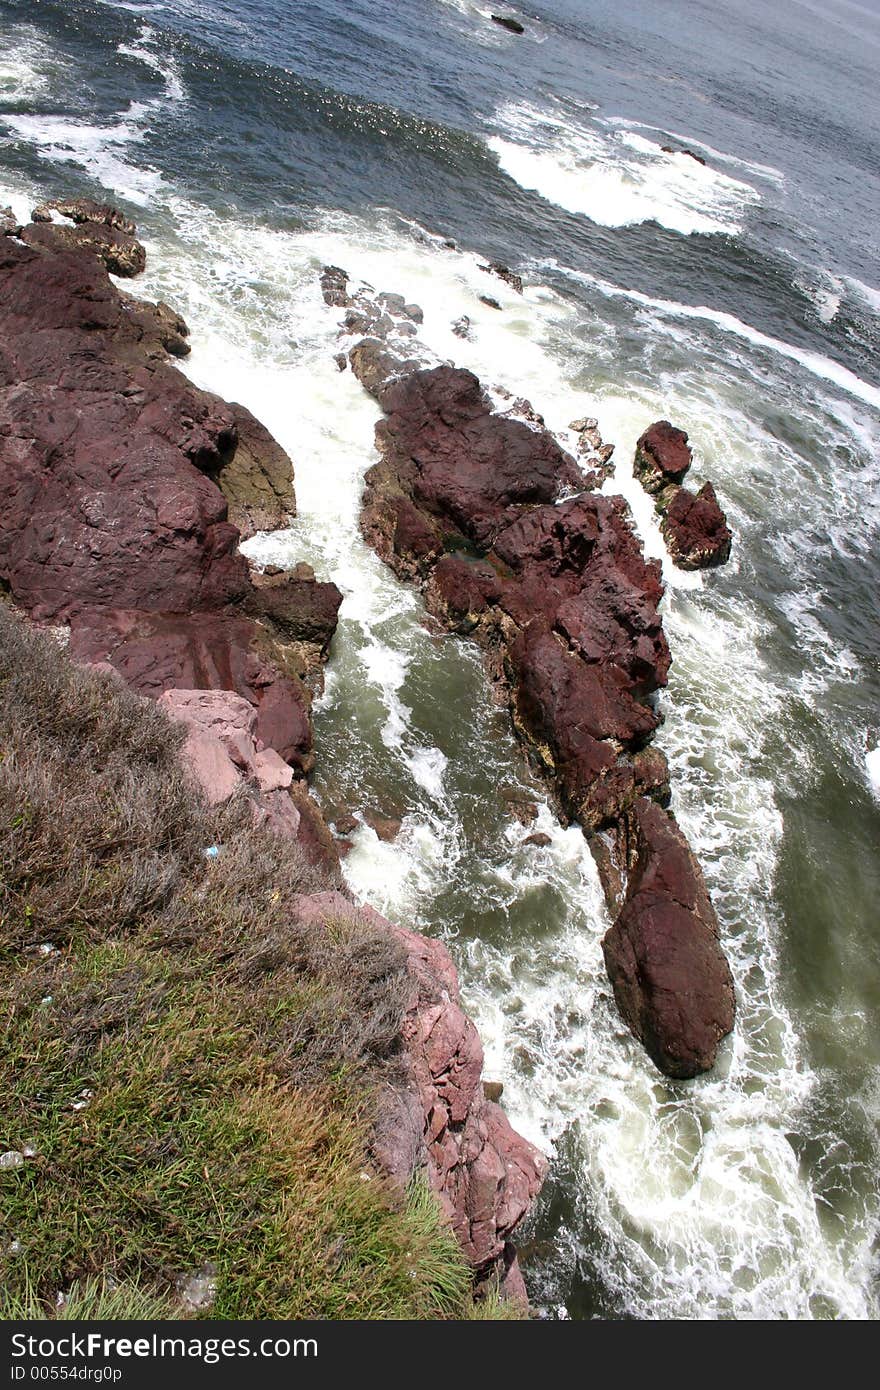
(484, 1173)
(694, 526)
(502, 529)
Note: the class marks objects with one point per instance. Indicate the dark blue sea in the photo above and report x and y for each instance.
(740, 298)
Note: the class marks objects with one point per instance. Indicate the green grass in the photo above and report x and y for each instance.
(190, 1064)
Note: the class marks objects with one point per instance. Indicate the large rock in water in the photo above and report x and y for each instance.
(477, 507)
(694, 526)
(695, 529)
(663, 457)
(670, 977)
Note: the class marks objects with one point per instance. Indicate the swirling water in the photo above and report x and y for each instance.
(255, 141)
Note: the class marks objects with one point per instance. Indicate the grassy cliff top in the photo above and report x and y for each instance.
(187, 1070)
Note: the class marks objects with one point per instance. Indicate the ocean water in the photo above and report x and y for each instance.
(254, 141)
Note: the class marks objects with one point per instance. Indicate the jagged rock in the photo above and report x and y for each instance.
(504, 273)
(489, 301)
(694, 526)
(120, 252)
(462, 328)
(695, 529)
(662, 457)
(375, 365)
(299, 610)
(155, 652)
(476, 507)
(437, 1116)
(80, 210)
(670, 977)
(506, 22)
(9, 223)
(467, 468)
(334, 286)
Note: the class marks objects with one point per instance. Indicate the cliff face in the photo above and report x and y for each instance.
(124, 494)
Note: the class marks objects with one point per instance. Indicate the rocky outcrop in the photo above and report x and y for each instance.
(437, 1116)
(257, 481)
(113, 518)
(98, 228)
(694, 526)
(500, 527)
(695, 529)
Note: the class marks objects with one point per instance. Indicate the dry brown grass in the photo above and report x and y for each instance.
(190, 1063)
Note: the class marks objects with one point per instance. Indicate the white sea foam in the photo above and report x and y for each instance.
(28, 65)
(750, 167)
(105, 151)
(613, 175)
(813, 362)
(872, 764)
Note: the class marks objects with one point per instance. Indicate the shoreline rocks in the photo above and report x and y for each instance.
(124, 494)
(693, 524)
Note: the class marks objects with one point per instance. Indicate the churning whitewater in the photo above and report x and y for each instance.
(752, 1192)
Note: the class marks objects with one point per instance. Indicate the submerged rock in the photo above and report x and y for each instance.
(507, 22)
(504, 273)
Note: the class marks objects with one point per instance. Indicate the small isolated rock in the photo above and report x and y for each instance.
(493, 1090)
(341, 361)
(488, 300)
(504, 273)
(539, 838)
(586, 422)
(669, 149)
(334, 286)
(462, 328)
(663, 456)
(695, 529)
(506, 22)
(11, 1159)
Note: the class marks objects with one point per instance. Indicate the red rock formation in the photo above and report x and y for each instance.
(694, 526)
(695, 529)
(485, 1174)
(671, 980)
(477, 508)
